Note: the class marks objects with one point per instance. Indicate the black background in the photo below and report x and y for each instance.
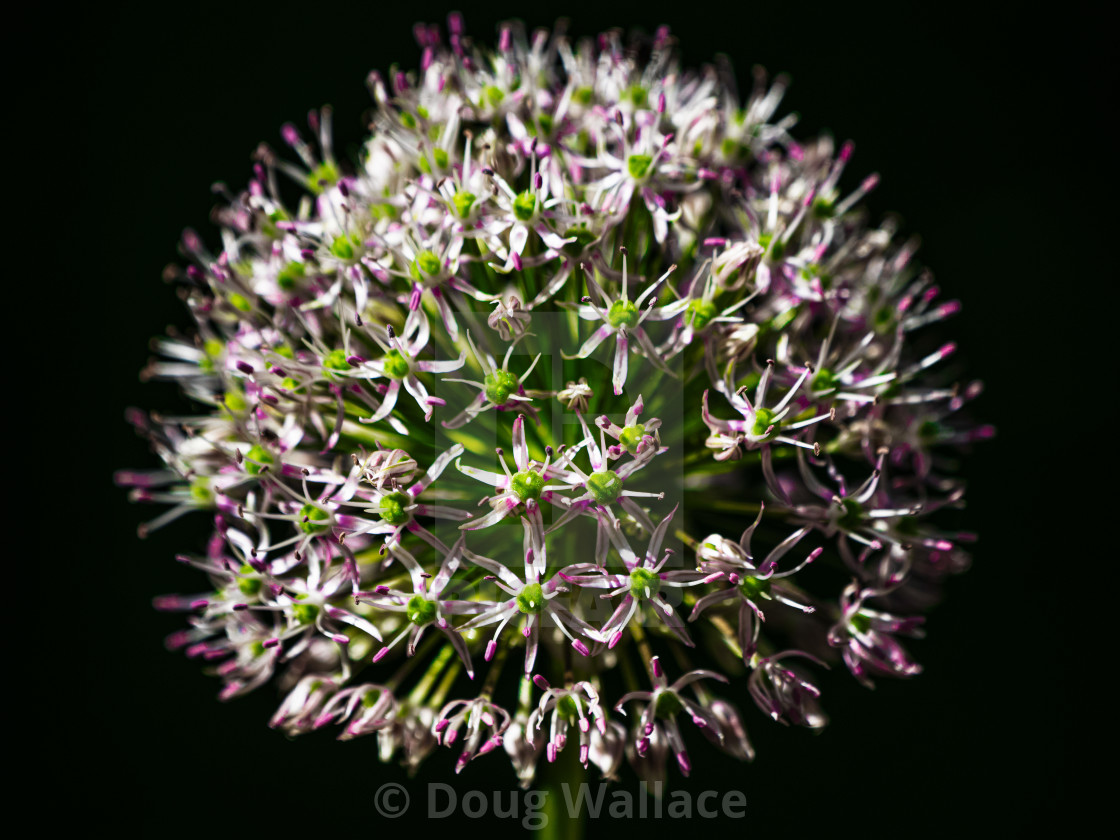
(987, 131)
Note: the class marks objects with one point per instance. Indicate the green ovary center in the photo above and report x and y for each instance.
(566, 708)
(500, 385)
(531, 599)
(623, 313)
(700, 313)
(524, 206)
(860, 623)
(852, 514)
(638, 166)
(527, 485)
(638, 96)
(290, 275)
(325, 172)
(667, 705)
(371, 698)
(631, 436)
(420, 610)
(347, 246)
(825, 380)
(235, 401)
(393, 508)
(463, 202)
(494, 95)
(763, 420)
(315, 517)
(605, 487)
(305, 613)
(336, 360)
(257, 458)
(754, 588)
(396, 365)
(248, 585)
(428, 264)
(201, 492)
(643, 581)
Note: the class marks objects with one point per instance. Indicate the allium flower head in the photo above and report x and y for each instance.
(486, 421)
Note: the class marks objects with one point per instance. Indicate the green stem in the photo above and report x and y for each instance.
(566, 771)
(425, 684)
(643, 646)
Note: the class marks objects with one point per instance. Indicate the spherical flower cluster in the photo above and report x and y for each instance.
(587, 404)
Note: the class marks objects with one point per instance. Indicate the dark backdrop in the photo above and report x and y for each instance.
(984, 128)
